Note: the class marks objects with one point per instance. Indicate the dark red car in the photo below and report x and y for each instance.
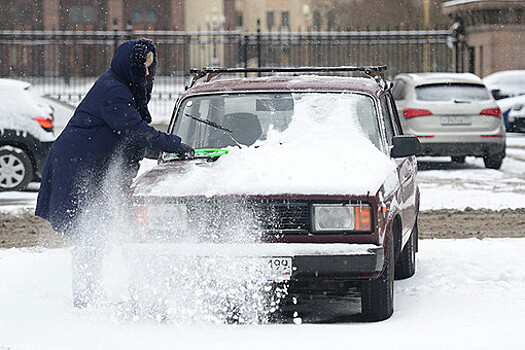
(310, 172)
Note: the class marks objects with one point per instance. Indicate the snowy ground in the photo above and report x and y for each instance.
(466, 294)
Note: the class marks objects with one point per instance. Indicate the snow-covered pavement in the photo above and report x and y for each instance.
(466, 294)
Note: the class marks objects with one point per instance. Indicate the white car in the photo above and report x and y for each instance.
(452, 114)
(506, 83)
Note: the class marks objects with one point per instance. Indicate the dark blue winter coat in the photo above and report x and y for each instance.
(106, 128)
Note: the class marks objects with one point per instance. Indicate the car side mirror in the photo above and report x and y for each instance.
(405, 146)
(152, 153)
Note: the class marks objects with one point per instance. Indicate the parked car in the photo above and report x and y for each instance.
(516, 114)
(505, 86)
(26, 133)
(506, 83)
(453, 114)
(319, 167)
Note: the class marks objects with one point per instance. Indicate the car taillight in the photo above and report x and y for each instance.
(496, 112)
(411, 113)
(46, 123)
(424, 136)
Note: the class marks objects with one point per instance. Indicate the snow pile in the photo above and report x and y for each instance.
(322, 152)
(174, 284)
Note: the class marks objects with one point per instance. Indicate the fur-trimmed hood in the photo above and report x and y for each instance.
(128, 64)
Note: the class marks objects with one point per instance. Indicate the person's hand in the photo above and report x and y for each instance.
(186, 151)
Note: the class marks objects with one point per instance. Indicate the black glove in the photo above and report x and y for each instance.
(186, 151)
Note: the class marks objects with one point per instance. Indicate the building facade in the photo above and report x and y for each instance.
(490, 34)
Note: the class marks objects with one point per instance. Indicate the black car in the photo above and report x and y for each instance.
(26, 133)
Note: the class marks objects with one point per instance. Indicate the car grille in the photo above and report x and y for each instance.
(271, 216)
(282, 216)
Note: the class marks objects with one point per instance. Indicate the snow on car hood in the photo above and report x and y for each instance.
(322, 152)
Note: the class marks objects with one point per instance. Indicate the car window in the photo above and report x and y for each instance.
(252, 117)
(452, 92)
(399, 89)
(395, 122)
(387, 121)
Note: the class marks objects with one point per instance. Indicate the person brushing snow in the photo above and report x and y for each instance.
(94, 160)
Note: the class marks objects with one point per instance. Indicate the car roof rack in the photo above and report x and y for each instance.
(376, 72)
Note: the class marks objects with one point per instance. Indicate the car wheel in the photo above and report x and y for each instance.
(377, 296)
(406, 261)
(493, 161)
(16, 169)
(460, 159)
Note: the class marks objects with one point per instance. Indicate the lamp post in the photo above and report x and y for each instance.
(426, 20)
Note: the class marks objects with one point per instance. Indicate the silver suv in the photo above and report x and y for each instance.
(452, 114)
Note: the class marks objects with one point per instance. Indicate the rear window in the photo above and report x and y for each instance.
(452, 92)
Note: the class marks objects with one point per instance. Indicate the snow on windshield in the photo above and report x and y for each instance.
(324, 150)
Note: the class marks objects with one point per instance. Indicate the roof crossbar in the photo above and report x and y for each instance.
(376, 72)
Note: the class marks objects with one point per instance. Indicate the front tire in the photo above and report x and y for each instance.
(406, 261)
(16, 169)
(377, 296)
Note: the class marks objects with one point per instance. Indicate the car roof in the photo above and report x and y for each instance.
(504, 74)
(4, 82)
(435, 78)
(287, 83)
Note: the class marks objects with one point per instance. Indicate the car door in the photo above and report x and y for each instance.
(407, 170)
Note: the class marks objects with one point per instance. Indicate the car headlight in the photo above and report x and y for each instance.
(341, 217)
(171, 217)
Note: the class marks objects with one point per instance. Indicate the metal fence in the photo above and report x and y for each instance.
(65, 63)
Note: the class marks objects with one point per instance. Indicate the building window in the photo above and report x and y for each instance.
(269, 19)
(239, 20)
(26, 15)
(285, 19)
(75, 14)
(82, 14)
(151, 16)
(141, 15)
(136, 15)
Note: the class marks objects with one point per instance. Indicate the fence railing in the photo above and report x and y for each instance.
(65, 63)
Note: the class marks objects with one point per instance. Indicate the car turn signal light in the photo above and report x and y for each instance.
(363, 218)
(411, 112)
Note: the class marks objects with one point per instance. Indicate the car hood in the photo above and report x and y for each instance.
(273, 170)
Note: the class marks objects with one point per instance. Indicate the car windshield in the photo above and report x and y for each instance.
(252, 117)
(452, 92)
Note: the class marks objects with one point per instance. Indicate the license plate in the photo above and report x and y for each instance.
(279, 268)
(448, 120)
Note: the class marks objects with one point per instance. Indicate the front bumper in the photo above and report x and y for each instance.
(309, 261)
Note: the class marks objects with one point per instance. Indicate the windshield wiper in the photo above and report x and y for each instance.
(228, 132)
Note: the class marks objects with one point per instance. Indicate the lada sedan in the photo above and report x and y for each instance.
(309, 172)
